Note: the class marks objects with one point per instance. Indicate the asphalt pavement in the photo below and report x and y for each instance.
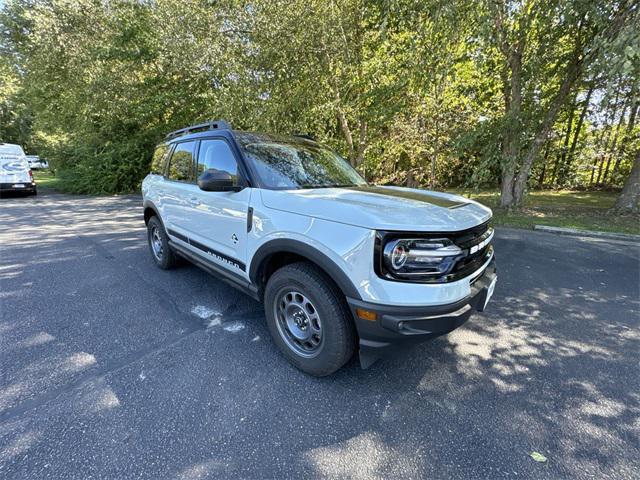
(113, 368)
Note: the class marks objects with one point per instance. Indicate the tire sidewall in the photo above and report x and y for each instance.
(328, 313)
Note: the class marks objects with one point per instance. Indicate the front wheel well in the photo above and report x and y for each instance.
(274, 262)
(281, 252)
(148, 213)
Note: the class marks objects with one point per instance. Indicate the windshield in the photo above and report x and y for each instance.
(291, 162)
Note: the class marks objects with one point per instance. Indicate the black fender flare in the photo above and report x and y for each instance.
(286, 245)
(149, 204)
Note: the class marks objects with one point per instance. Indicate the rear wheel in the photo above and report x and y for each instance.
(161, 253)
(308, 319)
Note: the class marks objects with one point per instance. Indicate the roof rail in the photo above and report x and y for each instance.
(304, 135)
(210, 125)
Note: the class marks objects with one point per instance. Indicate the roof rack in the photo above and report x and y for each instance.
(304, 135)
(210, 125)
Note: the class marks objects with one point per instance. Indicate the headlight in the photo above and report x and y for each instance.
(420, 257)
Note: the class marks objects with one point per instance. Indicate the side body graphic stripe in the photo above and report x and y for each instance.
(232, 262)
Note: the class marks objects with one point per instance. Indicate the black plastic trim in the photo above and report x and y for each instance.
(249, 219)
(209, 125)
(149, 204)
(208, 250)
(227, 276)
(396, 326)
(284, 245)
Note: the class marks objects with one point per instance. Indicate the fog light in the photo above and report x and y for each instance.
(366, 314)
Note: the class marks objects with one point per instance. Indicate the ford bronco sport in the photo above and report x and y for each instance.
(339, 264)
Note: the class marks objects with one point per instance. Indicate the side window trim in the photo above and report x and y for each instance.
(167, 158)
(196, 152)
(196, 146)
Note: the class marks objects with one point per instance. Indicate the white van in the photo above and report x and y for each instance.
(15, 174)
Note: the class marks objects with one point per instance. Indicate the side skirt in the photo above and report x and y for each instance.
(208, 266)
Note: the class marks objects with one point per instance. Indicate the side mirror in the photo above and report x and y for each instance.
(217, 181)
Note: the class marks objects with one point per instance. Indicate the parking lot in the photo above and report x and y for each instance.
(113, 368)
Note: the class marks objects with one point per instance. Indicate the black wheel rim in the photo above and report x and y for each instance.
(298, 323)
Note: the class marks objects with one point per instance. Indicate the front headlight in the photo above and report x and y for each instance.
(420, 257)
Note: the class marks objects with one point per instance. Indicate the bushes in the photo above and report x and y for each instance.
(100, 168)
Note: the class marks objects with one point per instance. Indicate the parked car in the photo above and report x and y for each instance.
(339, 264)
(36, 163)
(15, 174)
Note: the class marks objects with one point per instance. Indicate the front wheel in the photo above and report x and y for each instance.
(158, 240)
(308, 319)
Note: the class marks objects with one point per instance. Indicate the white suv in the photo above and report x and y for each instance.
(339, 264)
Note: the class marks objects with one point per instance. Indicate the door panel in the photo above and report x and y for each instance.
(219, 223)
(218, 220)
(178, 189)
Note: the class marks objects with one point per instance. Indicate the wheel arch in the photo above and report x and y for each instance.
(283, 251)
(150, 210)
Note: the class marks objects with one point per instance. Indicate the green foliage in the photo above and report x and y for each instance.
(412, 92)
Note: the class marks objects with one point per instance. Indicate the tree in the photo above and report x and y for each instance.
(570, 34)
(421, 93)
(629, 199)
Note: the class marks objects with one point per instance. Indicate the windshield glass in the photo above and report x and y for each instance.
(291, 162)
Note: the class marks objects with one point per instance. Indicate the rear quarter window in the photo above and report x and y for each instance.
(159, 159)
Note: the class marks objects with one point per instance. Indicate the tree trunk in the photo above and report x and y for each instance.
(506, 187)
(557, 168)
(629, 199)
(362, 143)
(614, 143)
(604, 141)
(627, 137)
(344, 126)
(511, 145)
(573, 72)
(576, 136)
(544, 166)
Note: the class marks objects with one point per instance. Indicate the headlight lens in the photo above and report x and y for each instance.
(408, 258)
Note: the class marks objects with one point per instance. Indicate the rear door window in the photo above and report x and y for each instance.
(181, 167)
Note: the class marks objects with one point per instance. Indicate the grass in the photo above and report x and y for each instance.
(46, 180)
(561, 208)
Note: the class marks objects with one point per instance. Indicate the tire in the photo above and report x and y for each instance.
(309, 320)
(158, 241)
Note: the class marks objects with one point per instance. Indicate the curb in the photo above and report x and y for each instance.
(587, 233)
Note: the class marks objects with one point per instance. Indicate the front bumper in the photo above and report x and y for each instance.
(397, 326)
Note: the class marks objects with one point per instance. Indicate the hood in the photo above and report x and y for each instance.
(382, 208)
